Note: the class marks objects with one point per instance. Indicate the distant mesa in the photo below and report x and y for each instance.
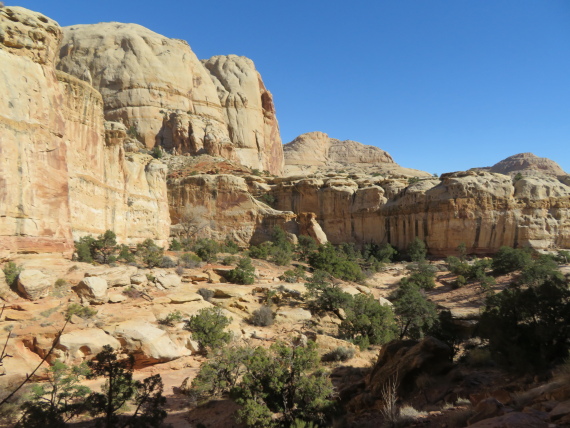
(527, 162)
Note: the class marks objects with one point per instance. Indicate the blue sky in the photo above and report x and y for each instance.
(442, 85)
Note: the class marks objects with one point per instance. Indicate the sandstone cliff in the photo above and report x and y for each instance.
(483, 210)
(527, 163)
(59, 177)
(165, 96)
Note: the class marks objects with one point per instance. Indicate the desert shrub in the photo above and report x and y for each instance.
(416, 250)
(189, 260)
(446, 330)
(11, 272)
(260, 251)
(324, 294)
(384, 253)
(267, 198)
(327, 259)
(167, 262)
(175, 245)
(207, 328)
(80, 311)
(206, 249)
(230, 246)
(528, 326)
(262, 317)
(125, 254)
(294, 275)
(206, 293)
(563, 256)
(244, 272)
(179, 270)
(60, 282)
(104, 247)
(509, 259)
(171, 319)
(305, 246)
(539, 271)
(340, 353)
(132, 293)
(414, 313)
(229, 260)
(459, 282)
(83, 249)
(281, 257)
(422, 274)
(457, 267)
(156, 152)
(150, 253)
(368, 322)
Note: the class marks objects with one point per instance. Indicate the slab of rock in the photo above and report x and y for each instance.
(512, 420)
(93, 290)
(152, 344)
(117, 298)
(184, 296)
(139, 279)
(292, 315)
(561, 410)
(77, 345)
(33, 284)
(168, 281)
(115, 276)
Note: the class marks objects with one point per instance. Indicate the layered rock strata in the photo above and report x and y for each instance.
(59, 178)
(483, 210)
(165, 96)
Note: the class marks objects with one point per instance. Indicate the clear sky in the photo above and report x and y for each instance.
(442, 85)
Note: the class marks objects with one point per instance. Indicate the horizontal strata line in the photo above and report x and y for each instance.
(98, 183)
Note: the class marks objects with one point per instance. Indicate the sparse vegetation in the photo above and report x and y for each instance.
(171, 319)
(340, 353)
(262, 317)
(85, 312)
(207, 329)
(11, 272)
(244, 272)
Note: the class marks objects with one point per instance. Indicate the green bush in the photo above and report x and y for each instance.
(207, 328)
(508, 260)
(417, 251)
(327, 259)
(189, 260)
(80, 311)
(262, 317)
(83, 249)
(340, 353)
(305, 246)
(175, 245)
(229, 260)
(206, 249)
(244, 272)
(230, 246)
(268, 198)
(281, 257)
(167, 263)
(260, 251)
(11, 272)
(150, 253)
(422, 274)
(384, 253)
(294, 275)
(540, 270)
(459, 282)
(368, 322)
(324, 295)
(125, 254)
(156, 152)
(171, 319)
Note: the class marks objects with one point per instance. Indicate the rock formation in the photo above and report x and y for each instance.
(527, 163)
(58, 177)
(316, 151)
(165, 96)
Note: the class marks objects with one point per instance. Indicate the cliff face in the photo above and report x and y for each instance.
(59, 179)
(165, 96)
(482, 210)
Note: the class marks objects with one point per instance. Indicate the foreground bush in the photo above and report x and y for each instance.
(244, 272)
(207, 328)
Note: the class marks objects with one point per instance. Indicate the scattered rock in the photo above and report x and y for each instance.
(115, 276)
(33, 284)
(92, 290)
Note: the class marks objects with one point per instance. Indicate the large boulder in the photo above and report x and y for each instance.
(93, 290)
(119, 276)
(33, 284)
(76, 346)
(149, 344)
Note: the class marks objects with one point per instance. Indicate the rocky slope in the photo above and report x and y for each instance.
(165, 96)
(62, 176)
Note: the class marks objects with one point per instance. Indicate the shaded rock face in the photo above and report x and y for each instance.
(58, 177)
(527, 163)
(165, 96)
(230, 209)
(483, 210)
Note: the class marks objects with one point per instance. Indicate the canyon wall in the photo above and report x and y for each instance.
(166, 97)
(59, 178)
(483, 210)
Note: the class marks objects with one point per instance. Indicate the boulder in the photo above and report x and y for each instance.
(119, 276)
(292, 315)
(92, 290)
(150, 344)
(139, 279)
(168, 281)
(33, 284)
(512, 420)
(78, 345)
